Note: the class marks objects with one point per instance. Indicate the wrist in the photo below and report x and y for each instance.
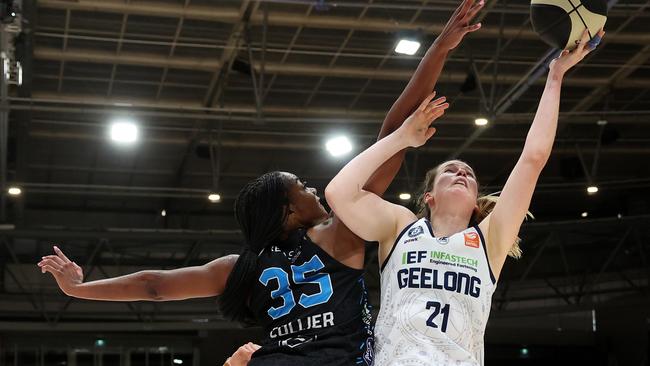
(400, 139)
(439, 47)
(555, 75)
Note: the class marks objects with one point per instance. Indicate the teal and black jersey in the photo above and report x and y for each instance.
(314, 309)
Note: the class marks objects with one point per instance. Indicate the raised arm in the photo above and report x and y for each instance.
(363, 212)
(503, 224)
(178, 284)
(420, 85)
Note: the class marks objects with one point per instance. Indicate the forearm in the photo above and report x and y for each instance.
(541, 135)
(133, 287)
(419, 86)
(350, 180)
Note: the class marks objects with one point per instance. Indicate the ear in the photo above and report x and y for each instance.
(291, 216)
(428, 198)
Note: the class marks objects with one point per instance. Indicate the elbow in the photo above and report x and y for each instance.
(536, 157)
(152, 283)
(331, 195)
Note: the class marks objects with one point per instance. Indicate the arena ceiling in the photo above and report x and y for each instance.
(225, 91)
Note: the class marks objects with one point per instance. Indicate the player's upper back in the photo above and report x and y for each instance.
(311, 306)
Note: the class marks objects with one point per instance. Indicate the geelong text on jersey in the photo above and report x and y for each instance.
(423, 277)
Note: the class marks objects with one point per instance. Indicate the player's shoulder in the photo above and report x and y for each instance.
(404, 217)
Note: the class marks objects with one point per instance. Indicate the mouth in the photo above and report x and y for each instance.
(461, 182)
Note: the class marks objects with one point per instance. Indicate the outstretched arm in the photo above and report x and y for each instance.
(420, 85)
(178, 284)
(503, 224)
(363, 212)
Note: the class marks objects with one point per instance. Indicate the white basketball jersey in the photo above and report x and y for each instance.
(436, 295)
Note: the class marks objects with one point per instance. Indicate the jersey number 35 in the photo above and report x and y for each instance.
(305, 273)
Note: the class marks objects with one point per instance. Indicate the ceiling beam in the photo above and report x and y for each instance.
(184, 109)
(288, 19)
(209, 65)
(616, 80)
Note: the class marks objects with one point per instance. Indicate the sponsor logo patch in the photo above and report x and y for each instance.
(471, 240)
(415, 231)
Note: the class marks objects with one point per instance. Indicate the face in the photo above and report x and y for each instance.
(305, 209)
(456, 180)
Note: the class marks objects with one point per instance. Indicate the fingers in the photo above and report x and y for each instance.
(472, 28)
(426, 101)
(583, 40)
(461, 10)
(437, 104)
(60, 254)
(51, 263)
(473, 11)
(53, 270)
(595, 41)
(56, 259)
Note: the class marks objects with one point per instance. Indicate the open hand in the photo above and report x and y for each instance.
(66, 273)
(568, 59)
(458, 25)
(417, 128)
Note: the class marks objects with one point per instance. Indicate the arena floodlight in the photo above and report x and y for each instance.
(124, 131)
(407, 47)
(338, 146)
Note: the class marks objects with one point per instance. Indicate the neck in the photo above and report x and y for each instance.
(448, 223)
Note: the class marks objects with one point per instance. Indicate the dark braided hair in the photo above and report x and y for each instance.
(260, 209)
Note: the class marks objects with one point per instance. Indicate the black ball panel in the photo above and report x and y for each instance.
(552, 24)
(595, 6)
(560, 22)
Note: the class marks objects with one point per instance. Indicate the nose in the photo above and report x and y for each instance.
(462, 171)
(313, 190)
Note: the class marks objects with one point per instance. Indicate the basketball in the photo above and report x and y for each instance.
(560, 23)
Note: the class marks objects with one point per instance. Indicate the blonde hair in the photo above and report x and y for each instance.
(485, 204)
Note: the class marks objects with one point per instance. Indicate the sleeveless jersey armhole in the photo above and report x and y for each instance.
(395, 244)
(487, 258)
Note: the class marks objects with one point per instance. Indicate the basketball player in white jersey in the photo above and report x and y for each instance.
(438, 273)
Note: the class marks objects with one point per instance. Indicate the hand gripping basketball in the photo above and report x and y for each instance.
(568, 59)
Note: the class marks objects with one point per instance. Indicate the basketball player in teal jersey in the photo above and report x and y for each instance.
(438, 273)
(301, 274)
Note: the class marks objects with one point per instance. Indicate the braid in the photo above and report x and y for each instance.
(260, 212)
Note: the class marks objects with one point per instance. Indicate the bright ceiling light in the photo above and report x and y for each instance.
(125, 132)
(163, 213)
(14, 191)
(407, 47)
(178, 361)
(213, 197)
(338, 146)
(592, 189)
(585, 214)
(481, 121)
(405, 196)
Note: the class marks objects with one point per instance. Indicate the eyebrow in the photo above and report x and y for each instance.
(469, 168)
